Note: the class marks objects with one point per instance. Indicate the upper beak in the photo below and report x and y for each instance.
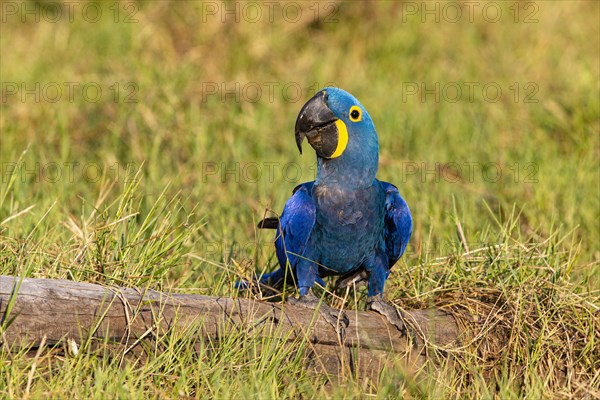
(317, 122)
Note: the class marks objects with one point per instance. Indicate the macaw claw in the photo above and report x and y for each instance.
(357, 279)
(393, 315)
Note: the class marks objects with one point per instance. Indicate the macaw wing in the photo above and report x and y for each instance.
(397, 223)
(296, 223)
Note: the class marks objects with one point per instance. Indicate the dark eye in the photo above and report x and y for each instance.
(355, 114)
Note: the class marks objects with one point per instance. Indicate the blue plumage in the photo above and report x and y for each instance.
(346, 221)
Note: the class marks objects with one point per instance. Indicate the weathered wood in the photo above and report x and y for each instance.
(59, 310)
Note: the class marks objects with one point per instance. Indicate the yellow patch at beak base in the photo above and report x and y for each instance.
(342, 138)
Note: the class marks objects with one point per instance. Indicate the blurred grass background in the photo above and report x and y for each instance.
(161, 178)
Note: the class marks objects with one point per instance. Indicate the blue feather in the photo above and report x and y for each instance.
(296, 223)
(397, 223)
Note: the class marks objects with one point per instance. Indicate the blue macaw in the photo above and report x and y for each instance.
(346, 222)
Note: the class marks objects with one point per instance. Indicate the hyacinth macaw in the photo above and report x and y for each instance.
(346, 222)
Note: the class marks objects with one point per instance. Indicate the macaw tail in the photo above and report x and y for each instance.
(268, 223)
(274, 279)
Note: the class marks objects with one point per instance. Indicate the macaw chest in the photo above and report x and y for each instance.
(348, 224)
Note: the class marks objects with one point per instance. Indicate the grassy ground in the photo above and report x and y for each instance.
(142, 141)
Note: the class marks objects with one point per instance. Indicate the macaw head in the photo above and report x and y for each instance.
(341, 132)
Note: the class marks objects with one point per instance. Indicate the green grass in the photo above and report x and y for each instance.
(166, 191)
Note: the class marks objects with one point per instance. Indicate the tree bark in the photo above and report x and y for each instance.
(34, 311)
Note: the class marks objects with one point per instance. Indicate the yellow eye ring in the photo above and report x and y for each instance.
(355, 114)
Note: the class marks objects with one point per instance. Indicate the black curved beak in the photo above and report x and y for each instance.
(316, 122)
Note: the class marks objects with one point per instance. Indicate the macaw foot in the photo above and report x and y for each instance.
(393, 315)
(336, 318)
(357, 279)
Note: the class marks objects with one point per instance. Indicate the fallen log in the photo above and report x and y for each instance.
(34, 312)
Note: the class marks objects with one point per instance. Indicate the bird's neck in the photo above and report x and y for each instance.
(350, 173)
